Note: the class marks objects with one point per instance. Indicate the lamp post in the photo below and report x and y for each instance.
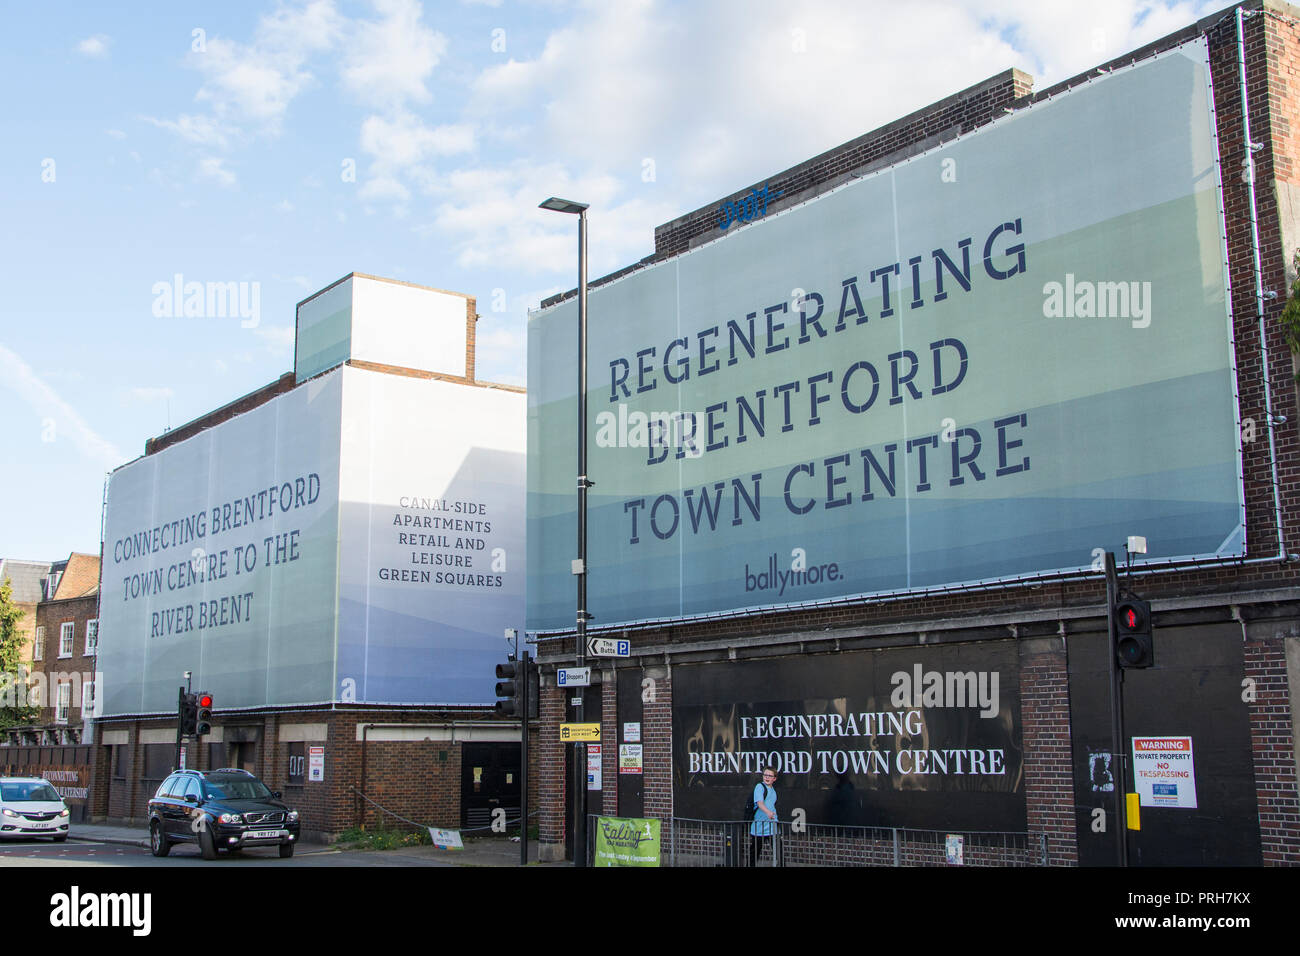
(580, 565)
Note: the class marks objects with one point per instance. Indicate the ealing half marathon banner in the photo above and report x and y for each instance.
(900, 737)
(994, 360)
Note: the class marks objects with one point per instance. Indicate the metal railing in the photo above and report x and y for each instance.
(688, 842)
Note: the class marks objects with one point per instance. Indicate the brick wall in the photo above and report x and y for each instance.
(1045, 717)
(52, 615)
(551, 785)
(418, 779)
(1273, 746)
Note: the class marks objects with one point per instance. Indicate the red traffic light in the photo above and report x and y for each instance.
(1133, 616)
(205, 701)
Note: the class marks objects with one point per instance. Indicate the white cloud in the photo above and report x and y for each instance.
(1059, 40)
(96, 46)
(401, 147)
(404, 140)
(115, 133)
(213, 167)
(389, 60)
(197, 128)
(723, 94)
(47, 404)
(252, 84)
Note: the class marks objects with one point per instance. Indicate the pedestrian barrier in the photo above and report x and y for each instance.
(688, 842)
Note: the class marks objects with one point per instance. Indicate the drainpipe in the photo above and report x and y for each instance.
(1251, 148)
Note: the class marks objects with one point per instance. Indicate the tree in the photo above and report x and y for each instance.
(14, 710)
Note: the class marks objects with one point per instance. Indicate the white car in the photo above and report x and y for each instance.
(30, 807)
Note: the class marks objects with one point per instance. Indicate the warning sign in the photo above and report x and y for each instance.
(1164, 772)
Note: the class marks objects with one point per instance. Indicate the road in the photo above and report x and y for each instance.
(19, 853)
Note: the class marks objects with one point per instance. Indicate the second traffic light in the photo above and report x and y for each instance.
(511, 679)
(189, 713)
(1134, 646)
(203, 717)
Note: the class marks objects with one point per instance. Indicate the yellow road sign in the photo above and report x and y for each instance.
(579, 733)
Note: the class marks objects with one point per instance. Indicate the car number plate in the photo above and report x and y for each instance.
(261, 834)
(41, 824)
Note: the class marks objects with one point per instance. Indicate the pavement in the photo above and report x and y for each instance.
(479, 851)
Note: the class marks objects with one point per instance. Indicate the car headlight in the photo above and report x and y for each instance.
(9, 813)
(64, 812)
(293, 816)
(231, 818)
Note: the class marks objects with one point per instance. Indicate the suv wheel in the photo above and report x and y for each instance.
(61, 838)
(158, 843)
(286, 850)
(207, 846)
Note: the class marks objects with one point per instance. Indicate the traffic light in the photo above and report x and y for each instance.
(203, 718)
(189, 713)
(510, 686)
(1133, 644)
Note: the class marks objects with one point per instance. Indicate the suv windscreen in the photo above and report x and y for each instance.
(28, 793)
(232, 787)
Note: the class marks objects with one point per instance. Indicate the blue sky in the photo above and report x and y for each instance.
(288, 144)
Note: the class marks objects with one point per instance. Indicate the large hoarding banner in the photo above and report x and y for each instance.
(899, 737)
(431, 556)
(358, 539)
(220, 558)
(997, 359)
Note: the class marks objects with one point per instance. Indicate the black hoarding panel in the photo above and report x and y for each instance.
(922, 737)
(1194, 690)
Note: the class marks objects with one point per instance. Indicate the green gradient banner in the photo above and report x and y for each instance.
(993, 360)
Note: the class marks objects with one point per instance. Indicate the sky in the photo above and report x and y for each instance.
(281, 146)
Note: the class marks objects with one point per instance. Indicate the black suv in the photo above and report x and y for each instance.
(228, 810)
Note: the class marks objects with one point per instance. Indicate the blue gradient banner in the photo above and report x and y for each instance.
(996, 359)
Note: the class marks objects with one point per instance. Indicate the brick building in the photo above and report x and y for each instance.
(26, 591)
(339, 676)
(1227, 631)
(62, 681)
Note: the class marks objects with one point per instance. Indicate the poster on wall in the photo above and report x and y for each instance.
(431, 538)
(923, 377)
(928, 738)
(220, 553)
(1164, 771)
(308, 551)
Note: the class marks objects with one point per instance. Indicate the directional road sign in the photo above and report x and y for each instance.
(604, 647)
(573, 676)
(579, 733)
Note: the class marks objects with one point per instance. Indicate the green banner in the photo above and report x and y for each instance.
(625, 841)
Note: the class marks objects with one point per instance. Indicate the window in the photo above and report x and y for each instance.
(65, 704)
(52, 584)
(88, 699)
(65, 639)
(92, 637)
(38, 650)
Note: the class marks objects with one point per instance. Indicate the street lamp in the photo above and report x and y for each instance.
(580, 565)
